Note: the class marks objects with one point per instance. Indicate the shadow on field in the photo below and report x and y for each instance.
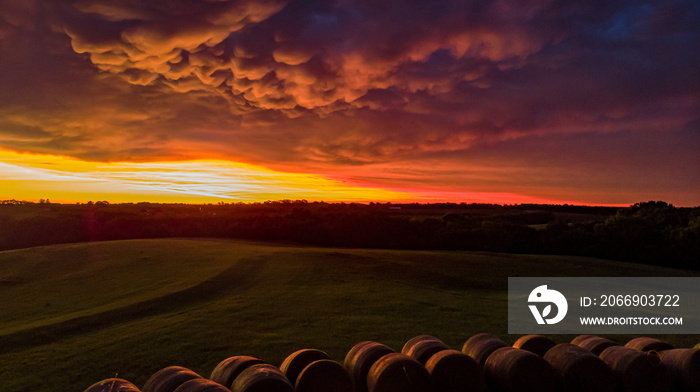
(237, 276)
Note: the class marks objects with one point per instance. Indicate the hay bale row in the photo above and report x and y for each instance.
(238, 374)
(180, 379)
(375, 367)
(427, 364)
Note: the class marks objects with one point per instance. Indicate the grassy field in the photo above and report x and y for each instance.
(78, 313)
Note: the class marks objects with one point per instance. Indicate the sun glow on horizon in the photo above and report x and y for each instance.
(62, 179)
(68, 180)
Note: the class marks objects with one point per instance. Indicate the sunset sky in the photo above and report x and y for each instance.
(505, 101)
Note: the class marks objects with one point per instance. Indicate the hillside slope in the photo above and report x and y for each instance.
(83, 312)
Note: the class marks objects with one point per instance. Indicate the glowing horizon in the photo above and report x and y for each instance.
(33, 177)
(61, 179)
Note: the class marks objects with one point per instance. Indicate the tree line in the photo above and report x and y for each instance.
(651, 232)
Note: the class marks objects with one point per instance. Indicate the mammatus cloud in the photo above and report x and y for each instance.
(543, 96)
(274, 55)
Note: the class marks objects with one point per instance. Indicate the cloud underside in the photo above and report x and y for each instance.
(538, 96)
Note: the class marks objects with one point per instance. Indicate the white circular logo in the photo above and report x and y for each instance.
(542, 295)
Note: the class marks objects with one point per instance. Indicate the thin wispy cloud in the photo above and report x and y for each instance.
(193, 181)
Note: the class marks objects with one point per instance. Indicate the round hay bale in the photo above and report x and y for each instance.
(398, 372)
(227, 370)
(298, 360)
(648, 344)
(324, 375)
(201, 385)
(636, 370)
(422, 351)
(262, 378)
(414, 340)
(454, 371)
(360, 359)
(481, 345)
(579, 369)
(592, 343)
(683, 365)
(168, 379)
(112, 385)
(537, 344)
(580, 338)
(511, 369)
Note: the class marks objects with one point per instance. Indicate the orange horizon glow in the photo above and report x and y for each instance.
(68, 180)
(61, 179)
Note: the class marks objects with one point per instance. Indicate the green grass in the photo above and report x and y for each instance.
(75, 314)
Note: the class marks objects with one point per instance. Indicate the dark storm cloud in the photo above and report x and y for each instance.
(274, 55)
(330, 86)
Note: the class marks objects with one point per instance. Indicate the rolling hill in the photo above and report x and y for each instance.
(74, 314)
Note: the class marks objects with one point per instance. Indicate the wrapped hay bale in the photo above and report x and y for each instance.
(261, 378)
(360, 359)
(201, 385)
(636, 371)
(580, 370)
(481, 345)
(415, 340)
(227, 370)
(454, 371)
(112, 385)
(537, 344)
(648, 344)
(324, 375)
(298, 360)
(592, 343)
(511, 369)
(398, 372)
(422, 347)
(683, 365)
(168, 379)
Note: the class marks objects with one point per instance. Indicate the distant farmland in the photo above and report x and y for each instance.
(74, 314)
(651, 232)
